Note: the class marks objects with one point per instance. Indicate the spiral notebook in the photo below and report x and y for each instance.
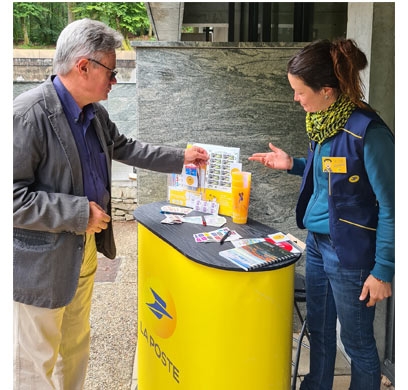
(257, 255)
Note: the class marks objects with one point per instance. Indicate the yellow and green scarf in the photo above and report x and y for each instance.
(321, 125)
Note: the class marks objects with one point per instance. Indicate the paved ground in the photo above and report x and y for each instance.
(114, 315)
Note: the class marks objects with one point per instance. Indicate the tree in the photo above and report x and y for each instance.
(22, 12)
(71, 7)
(42, 22)
(130, 19)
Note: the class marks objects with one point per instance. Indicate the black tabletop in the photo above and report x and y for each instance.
(180, 236)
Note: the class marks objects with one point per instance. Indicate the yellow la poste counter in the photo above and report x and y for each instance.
(204, 323)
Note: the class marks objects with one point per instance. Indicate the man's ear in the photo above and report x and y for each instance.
(82, 66)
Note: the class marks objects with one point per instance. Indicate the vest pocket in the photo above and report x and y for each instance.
(353, 230)
(357, 224)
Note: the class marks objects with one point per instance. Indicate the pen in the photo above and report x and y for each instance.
(225, 236)
(204, 221)
(172, 212)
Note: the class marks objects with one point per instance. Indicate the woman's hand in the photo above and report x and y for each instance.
(276, 159)
(375, 290)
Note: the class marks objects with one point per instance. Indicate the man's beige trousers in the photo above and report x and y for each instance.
(51, 346)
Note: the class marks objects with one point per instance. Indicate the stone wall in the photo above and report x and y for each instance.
(229, 94)
(124, 201)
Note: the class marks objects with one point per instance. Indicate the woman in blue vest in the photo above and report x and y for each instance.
(347, 204)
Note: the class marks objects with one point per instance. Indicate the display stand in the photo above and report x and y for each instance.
(204, 323)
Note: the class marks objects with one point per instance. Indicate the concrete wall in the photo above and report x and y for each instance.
(372, 25)
(36, 65)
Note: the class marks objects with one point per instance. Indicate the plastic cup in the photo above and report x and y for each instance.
(241, 189)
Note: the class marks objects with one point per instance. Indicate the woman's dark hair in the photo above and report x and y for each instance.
(334, 64)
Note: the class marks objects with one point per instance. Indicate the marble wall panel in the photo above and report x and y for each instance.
(230, 96)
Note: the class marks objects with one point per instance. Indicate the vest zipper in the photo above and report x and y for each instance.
(330, 183)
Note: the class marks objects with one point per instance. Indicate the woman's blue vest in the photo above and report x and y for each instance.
(353, 207)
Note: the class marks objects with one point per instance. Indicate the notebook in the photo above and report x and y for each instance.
(257, 255)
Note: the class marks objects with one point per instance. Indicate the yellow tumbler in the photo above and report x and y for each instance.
(241, 189)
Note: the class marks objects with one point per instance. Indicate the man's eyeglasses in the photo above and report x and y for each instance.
(113, 72)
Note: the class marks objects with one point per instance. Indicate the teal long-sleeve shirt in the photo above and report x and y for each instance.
(379, 160)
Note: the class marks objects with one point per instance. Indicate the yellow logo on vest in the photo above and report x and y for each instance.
(354, 179)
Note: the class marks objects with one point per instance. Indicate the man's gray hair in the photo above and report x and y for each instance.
(84, 38)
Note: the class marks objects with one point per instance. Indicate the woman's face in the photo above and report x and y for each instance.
(310, 100)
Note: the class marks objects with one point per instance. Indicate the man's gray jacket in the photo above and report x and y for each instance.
(50, 211)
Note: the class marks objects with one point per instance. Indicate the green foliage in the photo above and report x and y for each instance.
(133, 18)
(40, 24)
(129, 18)
(25, 10)
(23, 15)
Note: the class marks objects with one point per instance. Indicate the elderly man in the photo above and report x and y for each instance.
(64, 143)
